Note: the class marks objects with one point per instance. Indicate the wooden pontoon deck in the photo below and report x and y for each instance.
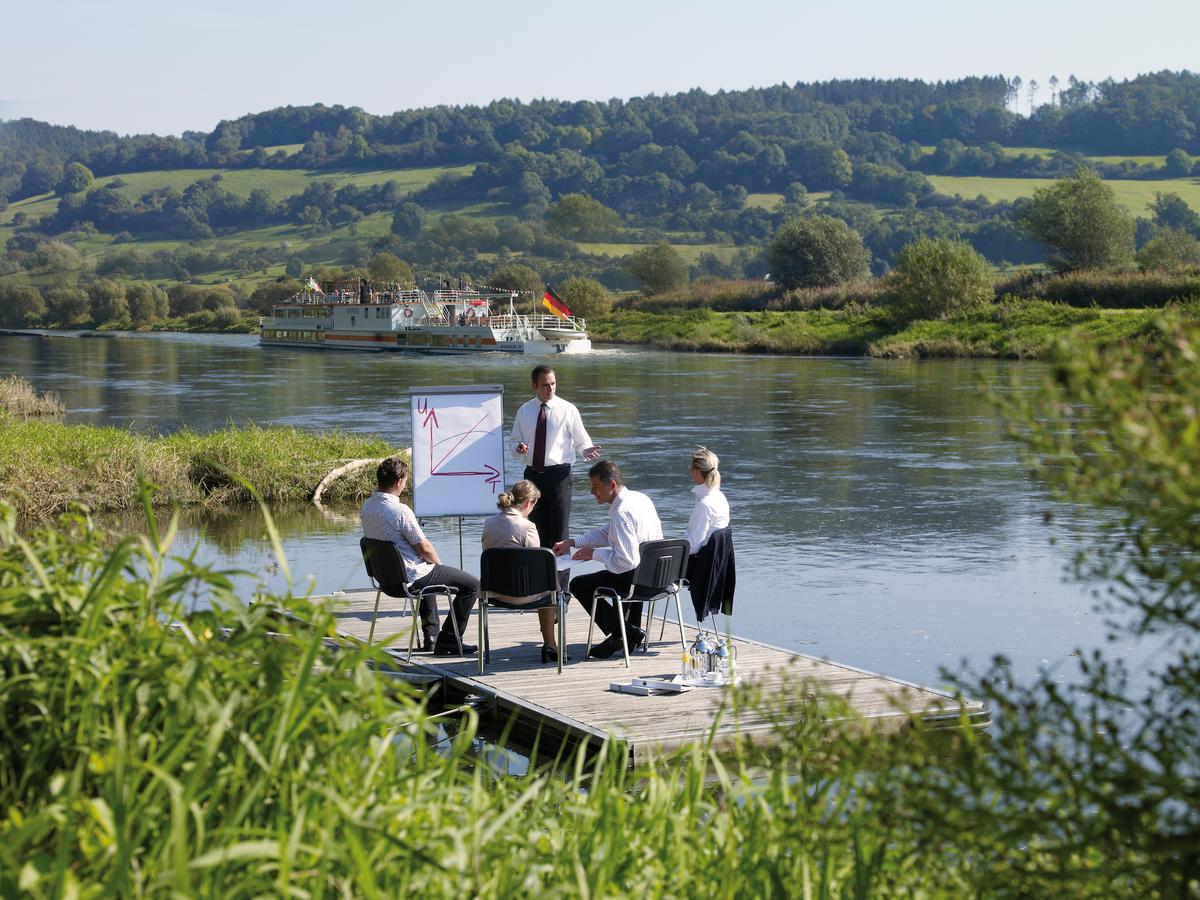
(577, 704)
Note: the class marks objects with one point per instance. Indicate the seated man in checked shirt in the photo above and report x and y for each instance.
(385, 518)
(632, 520)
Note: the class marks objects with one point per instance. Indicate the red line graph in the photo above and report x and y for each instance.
(490, 473)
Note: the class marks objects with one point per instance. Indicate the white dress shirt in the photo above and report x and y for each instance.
(385, 518)
(632, 520)
(565, 434)
(711, 513)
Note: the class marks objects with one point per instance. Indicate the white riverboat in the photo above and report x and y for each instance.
(349, 315)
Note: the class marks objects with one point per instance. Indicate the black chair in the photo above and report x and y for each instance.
(658, 575)
(385, 568)
(519, 572)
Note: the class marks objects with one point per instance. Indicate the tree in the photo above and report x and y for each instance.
(585, 297)
(935, 277)
(1080, 218)
(657, 269)
(107, 301)
(76, 177)
(67, 305)
(387, 267)
(521, 279)
(817, 251)
(1177, 164)
(1170, 249)
(580, 218)
(21, 305)
(267, 295)
(294, 267)
(1172, 211)
(147, 303)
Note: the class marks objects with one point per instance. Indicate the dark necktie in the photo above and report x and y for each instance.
(539, 440)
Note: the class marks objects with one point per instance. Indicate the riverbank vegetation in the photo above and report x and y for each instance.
(47, 467)
(20, 399)
(240, 754)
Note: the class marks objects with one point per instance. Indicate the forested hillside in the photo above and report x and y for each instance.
(574, 188)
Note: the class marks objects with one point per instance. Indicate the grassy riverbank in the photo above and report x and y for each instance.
(1019, 329)
(47, 466)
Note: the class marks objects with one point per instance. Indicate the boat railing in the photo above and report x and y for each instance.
(570, 323)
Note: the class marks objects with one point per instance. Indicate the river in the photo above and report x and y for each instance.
(882, 518)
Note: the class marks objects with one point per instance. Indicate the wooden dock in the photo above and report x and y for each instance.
(577, 705)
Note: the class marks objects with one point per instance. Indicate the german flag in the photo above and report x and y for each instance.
(552, 303)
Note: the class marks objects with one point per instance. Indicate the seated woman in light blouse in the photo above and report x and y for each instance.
(711, 512)
(511, 528)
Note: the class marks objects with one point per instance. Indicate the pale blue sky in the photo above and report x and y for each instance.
(153, 65)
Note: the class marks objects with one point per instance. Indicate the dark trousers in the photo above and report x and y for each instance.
(552, 515)
(583, 587)
(468, 590)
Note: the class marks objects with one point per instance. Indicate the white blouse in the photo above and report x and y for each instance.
(711, 513)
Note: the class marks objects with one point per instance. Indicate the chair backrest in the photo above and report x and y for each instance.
(662, 565)
(518, 571)
(384, 566)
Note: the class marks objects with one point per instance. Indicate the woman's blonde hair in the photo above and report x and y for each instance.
(520, 492)
(705, 462)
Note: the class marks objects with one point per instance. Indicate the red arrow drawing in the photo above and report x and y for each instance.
(492, 473)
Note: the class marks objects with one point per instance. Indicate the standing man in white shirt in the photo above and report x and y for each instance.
(632, 520)
(385, 518)
(549, 433)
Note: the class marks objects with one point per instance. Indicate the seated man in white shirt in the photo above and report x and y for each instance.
(385, 518)
(632, 520)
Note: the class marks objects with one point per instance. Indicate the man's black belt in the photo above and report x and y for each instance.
(557, 468)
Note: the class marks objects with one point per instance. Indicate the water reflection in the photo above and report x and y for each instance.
(881, 516)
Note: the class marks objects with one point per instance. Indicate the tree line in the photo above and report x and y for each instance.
(762, 139)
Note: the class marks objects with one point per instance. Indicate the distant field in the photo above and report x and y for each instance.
(279, 183)
(764, 201)
(690, 252)
(1013, 152)
(770, 201)
(1135, 196)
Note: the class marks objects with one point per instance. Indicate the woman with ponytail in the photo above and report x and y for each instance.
(511, 528)
(711, 511)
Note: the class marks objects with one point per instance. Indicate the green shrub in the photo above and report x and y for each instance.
(817, 251)
(934, 278)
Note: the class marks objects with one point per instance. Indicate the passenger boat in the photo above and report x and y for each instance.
(350, 315)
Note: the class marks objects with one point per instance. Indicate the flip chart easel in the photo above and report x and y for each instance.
(457, 451)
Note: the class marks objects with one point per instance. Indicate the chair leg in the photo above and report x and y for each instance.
(679, 619)
(650, 625)
(562, 631)
(374, 614)
(412, 631)
(482, 614)
(591, 622)
(623, 630)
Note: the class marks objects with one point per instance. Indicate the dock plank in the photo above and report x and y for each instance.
(578, 702)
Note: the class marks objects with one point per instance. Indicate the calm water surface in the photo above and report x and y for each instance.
(882, 518)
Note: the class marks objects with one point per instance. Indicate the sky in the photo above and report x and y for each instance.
(138, 66)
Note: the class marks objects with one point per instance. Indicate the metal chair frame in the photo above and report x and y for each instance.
(519, 572)
(383, 563)
(659, 575)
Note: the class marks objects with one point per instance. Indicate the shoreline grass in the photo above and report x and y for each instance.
(1012, 329)
(48, 467)
(19, 398)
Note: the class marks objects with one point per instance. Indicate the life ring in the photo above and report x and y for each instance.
(408, 312)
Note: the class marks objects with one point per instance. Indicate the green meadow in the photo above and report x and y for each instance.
(1014, 152)
(1134, 195)
(279, 183)
(690, 252)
